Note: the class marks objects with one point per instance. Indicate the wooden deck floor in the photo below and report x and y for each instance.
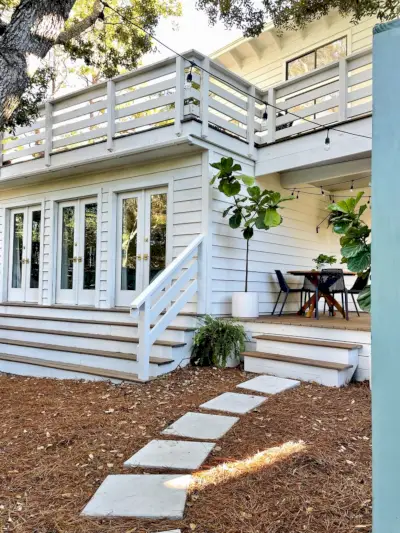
(362, 323)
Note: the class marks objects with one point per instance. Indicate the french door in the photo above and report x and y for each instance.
(24, 258)
(77, 252)
(142, 242)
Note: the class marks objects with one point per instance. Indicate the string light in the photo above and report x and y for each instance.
(352, 185)
(265, 114)
(193, 64)
(322, 191)
(327, 141)
(189, 77)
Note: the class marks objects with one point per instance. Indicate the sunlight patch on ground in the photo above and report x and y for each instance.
(234, 469)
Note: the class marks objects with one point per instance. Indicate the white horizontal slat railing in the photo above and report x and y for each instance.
(159, 95)
(166, 296)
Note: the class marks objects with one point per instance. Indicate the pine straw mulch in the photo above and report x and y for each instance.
(299, 463)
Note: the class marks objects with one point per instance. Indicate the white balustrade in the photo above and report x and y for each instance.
(158, 95)
(166, 296)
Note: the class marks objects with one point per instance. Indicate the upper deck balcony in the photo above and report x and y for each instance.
(155, 106)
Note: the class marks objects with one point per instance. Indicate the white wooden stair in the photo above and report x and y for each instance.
(327, 362)
(65, 342)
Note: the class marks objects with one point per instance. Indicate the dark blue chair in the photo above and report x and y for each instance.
(284, 288)
(331, 282)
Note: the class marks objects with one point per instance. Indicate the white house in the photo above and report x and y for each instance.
(106, 207)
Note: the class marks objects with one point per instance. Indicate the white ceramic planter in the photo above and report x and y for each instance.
(232, 362)
(245, 305)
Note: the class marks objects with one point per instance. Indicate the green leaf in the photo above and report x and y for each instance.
(247, 180)
(248, 233)
(236, 167)
(254, 192)
(213, 180)
(364, 299)
(230, 188)
(227, 211)
(216, 165)
(235, 220)
(275, 198)
(361, 210)
(341, 226)
(259, 223)
(272, 218)
(352, 248)
(361, 261)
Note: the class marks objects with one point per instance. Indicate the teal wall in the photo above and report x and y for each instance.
(386, 279)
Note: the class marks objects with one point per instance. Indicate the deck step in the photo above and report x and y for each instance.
(308, 341)
(297, 360)
(82, 351)
(67, 367)
(329, 373)
(86, 321)
(94, 336)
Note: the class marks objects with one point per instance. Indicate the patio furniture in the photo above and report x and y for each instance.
(313, 276)
(284, 288)
(331, 282)
(358, 286)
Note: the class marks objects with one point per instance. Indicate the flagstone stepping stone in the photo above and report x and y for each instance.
(232, 402)
(269, 384)
(171, 531)
(181, 455)
(201, 426)
(140, 496)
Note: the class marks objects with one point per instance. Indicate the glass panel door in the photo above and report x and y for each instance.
(24, 264)
(157, 234)
(87, 257)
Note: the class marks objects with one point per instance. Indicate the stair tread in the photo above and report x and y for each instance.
(83, 351)
(309, 341)
(112, 374)
(86, 321)
(299, 360)
(135, 340)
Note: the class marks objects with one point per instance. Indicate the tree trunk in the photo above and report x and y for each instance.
(34, 27)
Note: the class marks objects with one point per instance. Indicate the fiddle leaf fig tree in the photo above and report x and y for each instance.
(256, 209)
(346, 221)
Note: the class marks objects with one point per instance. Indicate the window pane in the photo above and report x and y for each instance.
(35, 249)
(89, 254)
(67, 247)
(158, 234)
(331, 52)
(129, 244)
(301, 65)
(18, 237)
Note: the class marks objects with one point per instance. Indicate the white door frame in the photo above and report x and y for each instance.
(24, 293)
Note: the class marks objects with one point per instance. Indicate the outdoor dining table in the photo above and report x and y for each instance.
(313, 276)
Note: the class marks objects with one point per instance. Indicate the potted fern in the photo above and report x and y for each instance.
(258, 209)
(218, 342)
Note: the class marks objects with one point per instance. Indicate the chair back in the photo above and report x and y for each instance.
(282, 282)
(359, 284)
(331, 279)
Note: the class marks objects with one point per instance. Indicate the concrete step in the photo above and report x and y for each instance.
(331, 374)
(28, 366)
(309, 348)
(97, 327)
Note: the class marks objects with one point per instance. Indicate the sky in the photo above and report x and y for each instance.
(191, 30)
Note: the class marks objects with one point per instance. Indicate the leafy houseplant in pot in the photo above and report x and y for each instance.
(218, 342)
(258, 209)
(323, 260)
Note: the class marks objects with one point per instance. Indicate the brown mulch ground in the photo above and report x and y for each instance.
(299, 463)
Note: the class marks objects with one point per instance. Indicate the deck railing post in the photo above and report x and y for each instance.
(201, 279)
(1, 151)
(144, 346)
(48, 146)
(179, 95)
(204, 97)
(251, 111)
(110, 115)
(271, 122)
(343, 89)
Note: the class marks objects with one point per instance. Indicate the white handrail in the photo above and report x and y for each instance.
(171, 291)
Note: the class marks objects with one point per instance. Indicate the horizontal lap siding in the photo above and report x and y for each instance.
(290, 246)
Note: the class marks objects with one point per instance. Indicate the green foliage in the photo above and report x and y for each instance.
(346, 221)
(323, 259)
(251, 17)
(258, 209)
(215, 340)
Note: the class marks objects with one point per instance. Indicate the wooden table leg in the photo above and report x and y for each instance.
(334, 303)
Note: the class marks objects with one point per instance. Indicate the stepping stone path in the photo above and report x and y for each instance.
(181, 455)
(199, 426)
(144, 496)
(231, 402)
(269, 384)
(164, 496)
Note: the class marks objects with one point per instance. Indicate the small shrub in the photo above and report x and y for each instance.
(215, 340)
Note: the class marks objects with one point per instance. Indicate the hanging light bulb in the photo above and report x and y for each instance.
(352, 186)
(265, 114)
(189, 77)
(298, 193)
(327, 141)
(322, 191)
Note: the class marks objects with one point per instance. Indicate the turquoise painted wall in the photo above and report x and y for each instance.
(386, 279)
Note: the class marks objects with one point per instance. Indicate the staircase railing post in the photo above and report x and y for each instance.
(144, 346)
